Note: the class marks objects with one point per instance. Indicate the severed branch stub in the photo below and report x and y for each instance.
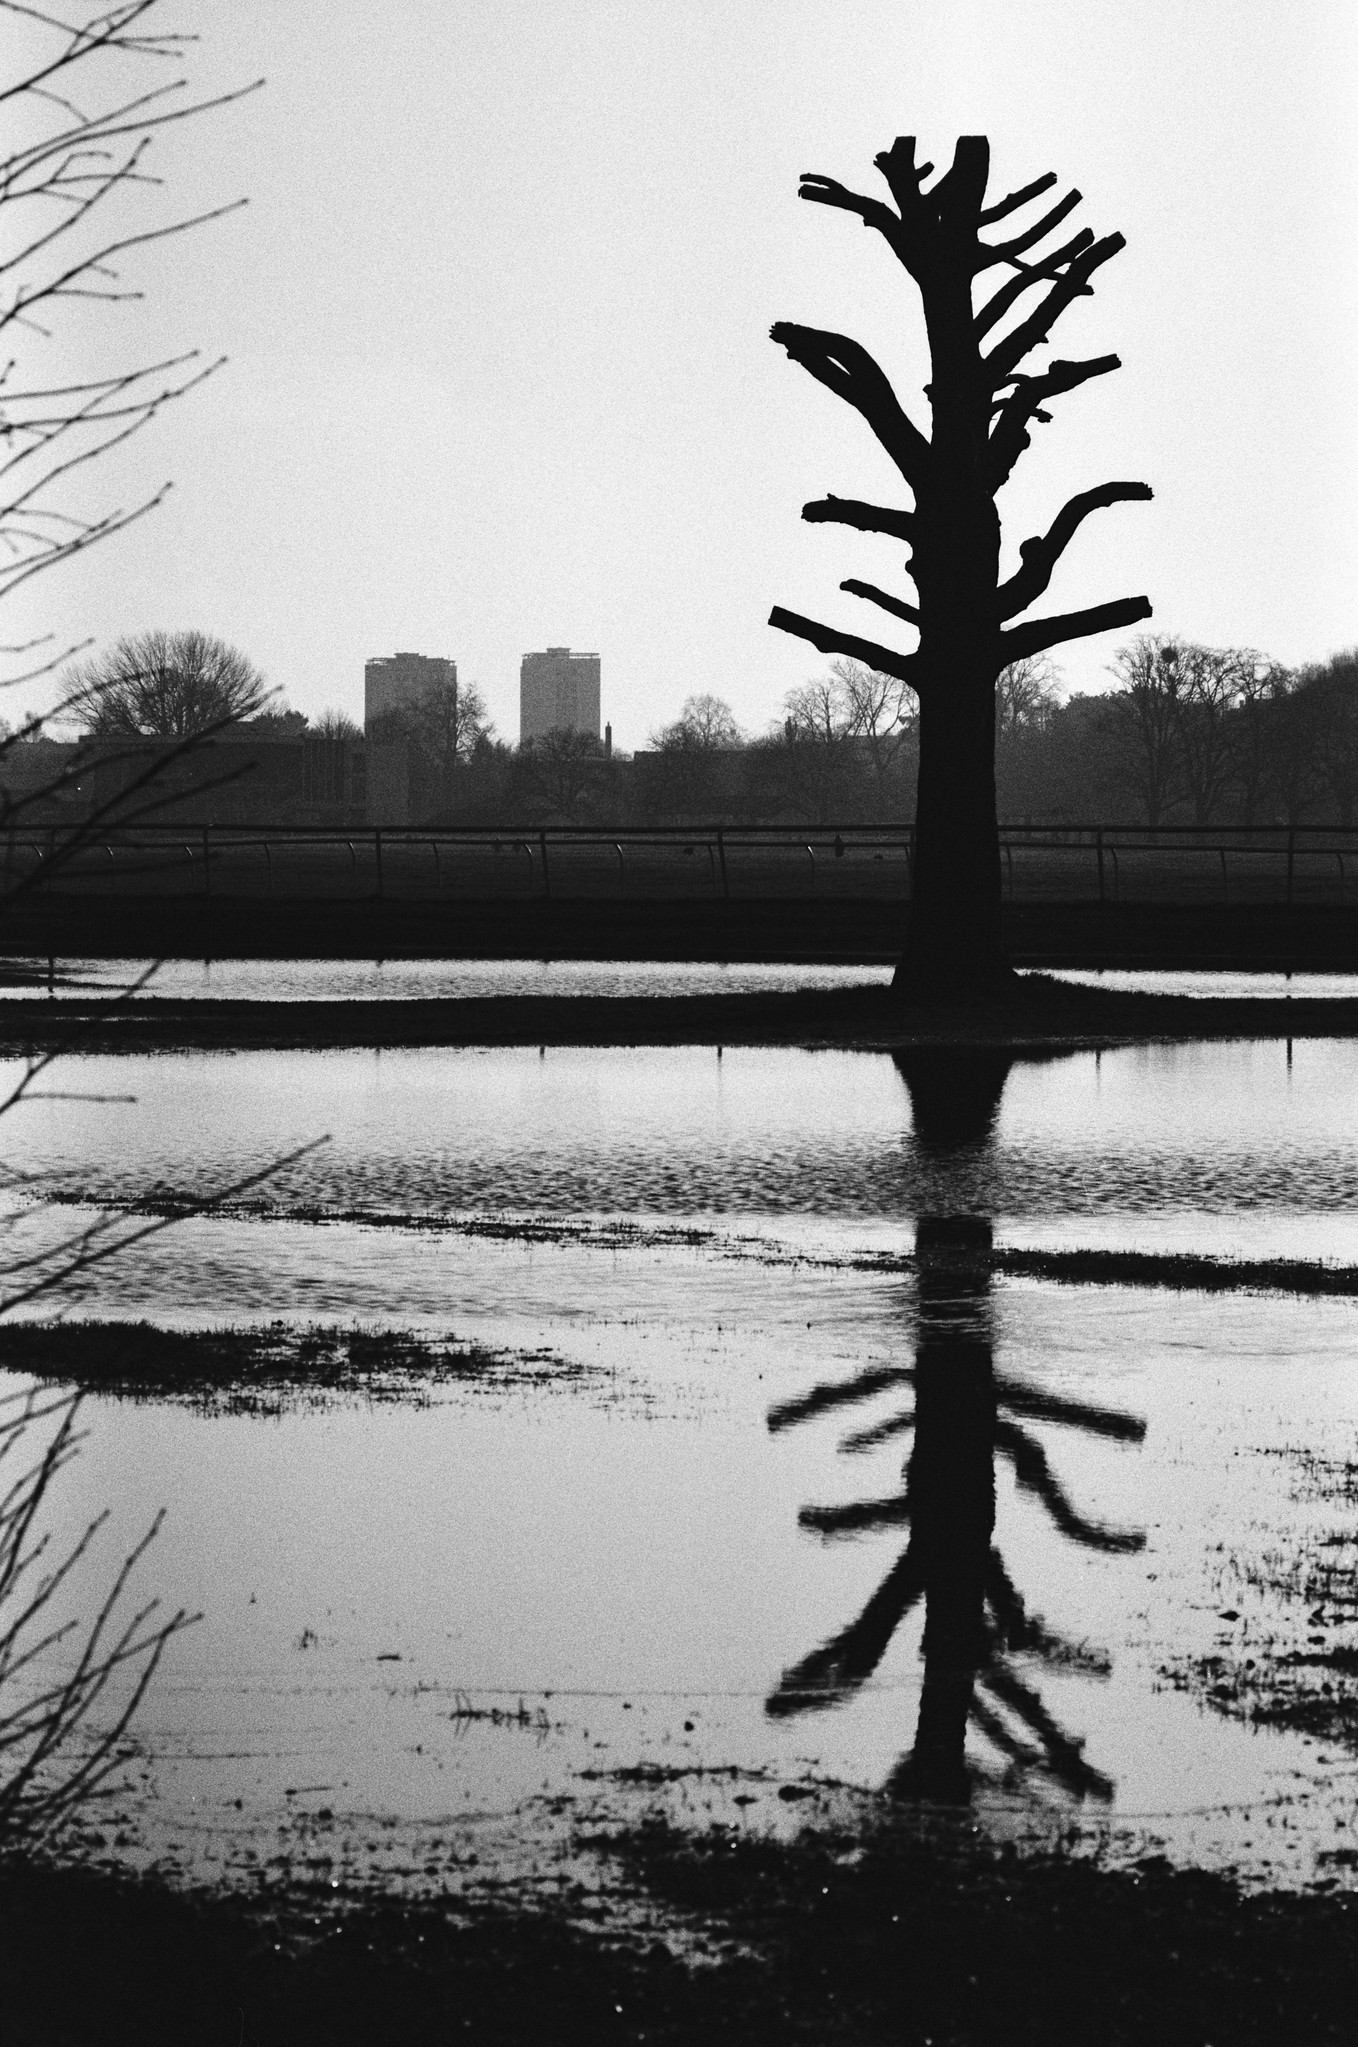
(984, 406)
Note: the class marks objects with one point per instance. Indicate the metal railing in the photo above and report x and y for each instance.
(1105, 863)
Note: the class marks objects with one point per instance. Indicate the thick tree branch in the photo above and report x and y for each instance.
(1009, 436)
(959, 193)
(846, 368)
(903, 175)
(1005, 357)
(1005, 252)
(1041, 556)
(872, 212)
(895, 605)
(905, 667)
(1030, 274)
(1038, 633)
(1017, 199)
(833, 511)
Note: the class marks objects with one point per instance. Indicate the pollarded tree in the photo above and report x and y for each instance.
(983, 406)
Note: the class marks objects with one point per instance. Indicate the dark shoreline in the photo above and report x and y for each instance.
(1039, 1015)
(908, 1932)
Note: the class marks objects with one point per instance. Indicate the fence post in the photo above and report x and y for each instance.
(207, 864)
(1291, 848)
(721, 855)
(546, 873)
(377, 849)
(1098, 847)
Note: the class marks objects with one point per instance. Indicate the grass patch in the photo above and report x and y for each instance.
(266, 1369)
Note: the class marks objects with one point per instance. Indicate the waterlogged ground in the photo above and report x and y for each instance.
(323, 980)
(320, 980)
(577, 1434)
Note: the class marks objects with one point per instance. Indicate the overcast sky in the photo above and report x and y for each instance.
(497, 317)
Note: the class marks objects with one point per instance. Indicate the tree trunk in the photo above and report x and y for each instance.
(950, 1484)
(954, 938)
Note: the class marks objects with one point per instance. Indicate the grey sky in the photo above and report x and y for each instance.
(498, 316)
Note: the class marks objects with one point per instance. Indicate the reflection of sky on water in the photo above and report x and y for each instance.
(406, 980)
(1231, 1144)
(403, 980)
(625, 1553)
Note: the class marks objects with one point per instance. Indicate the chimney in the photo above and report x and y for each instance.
(608, 742)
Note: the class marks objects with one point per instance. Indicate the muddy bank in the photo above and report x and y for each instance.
(1038, 1014)
(1178, 1271)
(901, 1933)
(265, 1369)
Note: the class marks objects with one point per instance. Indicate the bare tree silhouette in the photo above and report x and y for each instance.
(984, 407)
(63, 172)
(164, 686)
(62, 168)
(61, 1735)
(964, 1415)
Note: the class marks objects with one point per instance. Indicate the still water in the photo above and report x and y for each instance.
(323, 980)
(792, 1489)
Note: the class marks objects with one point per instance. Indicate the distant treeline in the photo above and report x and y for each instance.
(1189, 734)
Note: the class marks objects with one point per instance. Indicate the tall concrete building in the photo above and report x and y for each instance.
(558, 689)
(397, 682)
(394, 684)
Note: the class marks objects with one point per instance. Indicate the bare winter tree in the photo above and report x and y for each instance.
(1208, 683)
(1148, 718)
(820, 710)
(77, 145)
(86, 91)
(1025, 694)
(336, 725)
(1264, 687)
(1329, 693)
(164, 686)
(557, 773)
(984, 406)
(65, 172)
(1292, 718)
(880, 709)
(452, 721)
(706, 724)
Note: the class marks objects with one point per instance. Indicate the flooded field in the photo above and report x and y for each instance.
(328, 980)
(325, 980)
(575, 1435)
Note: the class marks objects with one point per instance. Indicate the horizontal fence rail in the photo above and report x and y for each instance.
(1099, 863)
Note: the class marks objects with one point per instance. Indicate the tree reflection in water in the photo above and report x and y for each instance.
(964, 1415)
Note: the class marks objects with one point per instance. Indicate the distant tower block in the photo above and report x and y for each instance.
(399, 682)
(558, 690)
